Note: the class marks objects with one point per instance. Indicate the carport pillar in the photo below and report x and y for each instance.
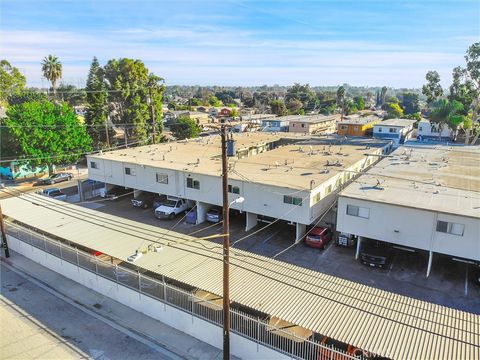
(429, 266)
(301, 230)
(359, 246)
(251, 221)
(136, 192)
(202, 209)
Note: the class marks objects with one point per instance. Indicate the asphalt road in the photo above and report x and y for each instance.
(43, 326)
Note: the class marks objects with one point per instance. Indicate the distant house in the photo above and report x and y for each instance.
(397, 130)
(358, 126)
(428, 131)
(276, 124)
(199, 117)
(314, 124)
(213, 111)
(225, 112)
(202, 109)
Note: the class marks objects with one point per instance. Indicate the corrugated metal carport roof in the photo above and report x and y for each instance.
(381, 322)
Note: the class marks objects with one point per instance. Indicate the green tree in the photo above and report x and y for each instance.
(472, 59)
(350, 107)
(278, 107)
(96, 117)
(195, 102)
(410, 103)
(432, 89)
(383, 96)
(359, 102)
(52, 70)
(70, 94)
(394, 111)
(185, 128)
(447, 113)
(132, 93)
(47, 133)
(235, 112)
(341, 100)
(294, 106)
(214, 101)
(11, 81)
(26, 96)
(304, 94)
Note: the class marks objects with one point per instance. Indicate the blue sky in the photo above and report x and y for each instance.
(234, 42)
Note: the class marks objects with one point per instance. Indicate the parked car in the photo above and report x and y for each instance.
(171, 207)
(318, 237)
(145, 200)
(215, 215)
(115, 192)
(376, 253)
(55, 178)
(54, 193)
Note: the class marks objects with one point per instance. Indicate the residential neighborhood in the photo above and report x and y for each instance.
(158, 202)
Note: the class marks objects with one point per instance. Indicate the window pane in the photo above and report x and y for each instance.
(442, 226)
(352, 210)
(364, 212)
(189, 182)
(457, 229)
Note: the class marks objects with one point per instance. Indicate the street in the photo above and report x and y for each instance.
(41, 325)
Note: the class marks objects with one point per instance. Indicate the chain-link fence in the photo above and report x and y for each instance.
(254, 328)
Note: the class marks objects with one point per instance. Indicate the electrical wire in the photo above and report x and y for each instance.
(260, 274)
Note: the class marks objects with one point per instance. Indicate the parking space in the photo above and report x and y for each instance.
(405, 275)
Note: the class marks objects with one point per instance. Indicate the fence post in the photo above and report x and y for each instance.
(164, 294)
(139, 286)
(258, 333)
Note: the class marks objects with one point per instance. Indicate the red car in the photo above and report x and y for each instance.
(318, 237)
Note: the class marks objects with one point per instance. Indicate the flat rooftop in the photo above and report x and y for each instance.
(440, 178)
(404, 327)
(360, 120)
(292, 166)
(303, 118)
(397, 122)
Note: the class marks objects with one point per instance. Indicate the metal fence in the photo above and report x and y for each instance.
(248, 326)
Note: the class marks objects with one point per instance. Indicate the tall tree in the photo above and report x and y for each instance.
(278, 107)
(47, 133)
(472, 59)
(359, 102)
(394, 111)
(341, 100)
(129, 82)
(11, 81)
(432, 89)
(96, 117)
(410, 103)
(52, 70)
(26, 96)
(383, 96)
(71, 94)
(447, 113)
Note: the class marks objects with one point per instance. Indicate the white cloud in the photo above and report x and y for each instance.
(215, 55)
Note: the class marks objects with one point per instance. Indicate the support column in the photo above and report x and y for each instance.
(136, 192)
(429, 266)
(359, 246)
(251, 221)
(301, 229)
(81, 194)
(202, 209)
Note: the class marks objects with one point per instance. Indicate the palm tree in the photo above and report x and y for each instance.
(447, 113)
(52, 70)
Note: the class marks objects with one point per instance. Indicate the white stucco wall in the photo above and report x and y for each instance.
(180, 320)
(411, 227)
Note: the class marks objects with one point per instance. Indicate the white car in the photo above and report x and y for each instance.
(54, 193)
(173, 206)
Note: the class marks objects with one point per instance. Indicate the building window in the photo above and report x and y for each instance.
(293, 125)
(162, 178)
(358, 211)
(393, 130)
(292, 200)
(344, 127)
(303, 125)
(233, 189)
(450, 228)
(129, 171)
(355, 128)
(379, 129)
(317, 197)
(93, 165)
(328, 190)
(193, 184)
(420, 128)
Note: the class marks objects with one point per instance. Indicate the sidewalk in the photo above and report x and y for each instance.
(165, 336)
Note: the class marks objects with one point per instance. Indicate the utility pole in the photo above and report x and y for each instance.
(226, 248)
(106, 134)
(4, 234)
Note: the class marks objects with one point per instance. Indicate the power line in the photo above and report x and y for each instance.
(69, 213)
